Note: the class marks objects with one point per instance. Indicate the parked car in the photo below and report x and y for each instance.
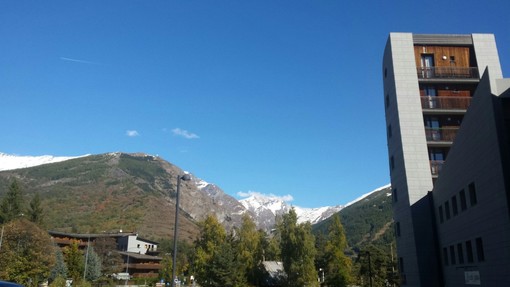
(9, 284)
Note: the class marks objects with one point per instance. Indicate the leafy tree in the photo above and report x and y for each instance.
(270, 246)
(35, 212)
(212, 236)
(111, 261)
(224, 268)
(298, 251)
(184, 257)
(58, 282)
(74, 260)
(248, 248)
(338, 265)
(165, 272)
(27, 254)
(93, 271)
(60, 268)
(12, 204)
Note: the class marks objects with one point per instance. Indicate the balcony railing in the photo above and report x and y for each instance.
(447, 103)
(435, 166)
(441, 134)
(447, 73)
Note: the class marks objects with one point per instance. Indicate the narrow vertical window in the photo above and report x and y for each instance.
(397, 229)
(445, 256)
(447, 210)
(479, 250)
(387, 100)
(395, 195)
(460, 253)
(472, 194)
(392, 163)
(441, 219)
(454, 206)
(463, 202)
(469, 251)
(401, 264)
(452, 254)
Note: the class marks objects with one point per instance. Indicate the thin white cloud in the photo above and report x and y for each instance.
(79, 61)
(286, 198)
(184, 133)
(132, 133)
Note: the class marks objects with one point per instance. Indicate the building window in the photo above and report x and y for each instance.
(469, 251)
(401, 264)
(472, 194)
(387, 100)
(395, 195)
(397, 229)
(460, 253)
(447, 210)
(441, 219)
(445, 256)
(392, 163)
(463, 202)
(452, 254)
(454, 206)
(479, 250)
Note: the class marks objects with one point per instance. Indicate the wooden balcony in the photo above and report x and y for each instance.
(446, 134)
(144, 266)
(445, 103)
(447, 73)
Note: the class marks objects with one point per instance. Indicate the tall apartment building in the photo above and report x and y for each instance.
(431, 84)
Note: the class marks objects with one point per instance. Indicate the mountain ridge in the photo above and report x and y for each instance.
(136, 192)
(262, 206)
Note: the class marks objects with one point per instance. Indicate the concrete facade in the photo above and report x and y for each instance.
(475, 239)
(413, 128)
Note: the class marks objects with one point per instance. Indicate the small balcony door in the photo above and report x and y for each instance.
(430, 93)
(427, 65)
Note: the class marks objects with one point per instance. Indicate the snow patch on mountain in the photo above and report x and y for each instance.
(9, 161)
(267, 207)
(367, 194)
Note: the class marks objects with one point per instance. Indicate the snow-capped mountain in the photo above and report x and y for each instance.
(262, 208)
(8, 161)
(266, 208)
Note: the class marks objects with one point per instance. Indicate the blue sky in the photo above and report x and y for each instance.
(274, 97)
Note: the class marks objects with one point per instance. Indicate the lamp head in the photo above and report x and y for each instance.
(185, 177)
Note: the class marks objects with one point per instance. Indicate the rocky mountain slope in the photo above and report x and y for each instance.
(136, 192)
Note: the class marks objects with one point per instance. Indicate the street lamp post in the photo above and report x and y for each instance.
(185, 177)
(367, 253)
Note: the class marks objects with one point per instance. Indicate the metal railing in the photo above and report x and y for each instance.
(435, 166)
(447, 73)
(450, 103)
(441, 134)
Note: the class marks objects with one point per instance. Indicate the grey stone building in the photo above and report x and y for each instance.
(448, 153)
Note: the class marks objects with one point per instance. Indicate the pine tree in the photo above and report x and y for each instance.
(298, 251)
(93, 271)
(11, 206)
(60, 268)
(35, 212)
(74, 260)
(338, 265)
